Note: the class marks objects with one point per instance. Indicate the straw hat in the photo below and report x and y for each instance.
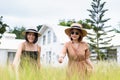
(76, 26)
(31, 30)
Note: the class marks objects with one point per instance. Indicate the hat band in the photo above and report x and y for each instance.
(76, 27)
(31, 30)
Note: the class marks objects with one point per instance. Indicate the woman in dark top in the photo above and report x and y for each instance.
(29, 50)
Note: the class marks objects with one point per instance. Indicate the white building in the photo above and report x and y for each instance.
(116, 46)
(8, 47)
(51, 41)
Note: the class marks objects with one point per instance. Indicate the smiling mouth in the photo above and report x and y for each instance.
(74, 37)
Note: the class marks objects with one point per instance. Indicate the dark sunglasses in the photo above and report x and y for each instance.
(76, 33)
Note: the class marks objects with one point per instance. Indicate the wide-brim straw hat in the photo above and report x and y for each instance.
(76, 26)
(31, 30)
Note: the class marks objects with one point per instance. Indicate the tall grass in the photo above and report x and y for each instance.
(102, 71)
(106, 71)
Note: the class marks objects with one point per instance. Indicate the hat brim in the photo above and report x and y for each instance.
(67, 31)
(24, 32)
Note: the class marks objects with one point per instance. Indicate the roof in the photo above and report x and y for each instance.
(8, 36)
(10, 43)
(115, 41)
(62, 37)
(59, 32)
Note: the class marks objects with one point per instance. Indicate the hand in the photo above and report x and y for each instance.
(39, 66)
(60, 60)
(12, 67)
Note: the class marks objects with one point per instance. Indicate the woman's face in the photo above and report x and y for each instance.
(75, 34)
(31, 37)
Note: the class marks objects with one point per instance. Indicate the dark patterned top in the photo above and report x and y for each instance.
(31, 54)
(29, 57)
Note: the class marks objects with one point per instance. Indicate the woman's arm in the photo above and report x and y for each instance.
(87, 56)
(63, 53)
(38, 59)
(17, 56)
(89, 63)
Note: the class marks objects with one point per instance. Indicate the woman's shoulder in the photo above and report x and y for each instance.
(85, 43)
(21, 44)
(38, 47)
(69, 42)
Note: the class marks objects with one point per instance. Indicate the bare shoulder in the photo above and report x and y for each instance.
(39, 47)
(85, 43)
(66, 44)
(69, 42)
(21, 44)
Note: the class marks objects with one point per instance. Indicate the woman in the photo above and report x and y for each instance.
(77, 51)
(29, 51)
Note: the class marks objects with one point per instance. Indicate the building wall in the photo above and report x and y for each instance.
(118, 54)
(6, 56)
(51, 48)
(3, 57)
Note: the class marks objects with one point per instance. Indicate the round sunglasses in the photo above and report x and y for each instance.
(76, 33)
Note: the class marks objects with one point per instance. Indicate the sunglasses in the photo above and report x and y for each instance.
(76, 33)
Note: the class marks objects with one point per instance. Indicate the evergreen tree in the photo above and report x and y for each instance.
(117, 30)
(18, 31)
(69, 22)
(39, 27)
(100, 40)
(2, 26)
(66, 23)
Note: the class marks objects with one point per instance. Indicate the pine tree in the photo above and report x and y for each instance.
(100, 40)
(117, 30)
(2, 26)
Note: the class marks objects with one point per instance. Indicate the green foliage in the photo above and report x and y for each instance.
(66, 23)
(117, 30)
(18, 31)
(2, 26)
(102, 71)
(39, 27)
(84, 23)
(99, 39)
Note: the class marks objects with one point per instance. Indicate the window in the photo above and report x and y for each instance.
(44, 39)
(48, 57)
(54, 58)
(49, 37)
(54, 37)
(10, 58)
(112, 54)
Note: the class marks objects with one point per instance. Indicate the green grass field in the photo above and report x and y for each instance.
(102, 71)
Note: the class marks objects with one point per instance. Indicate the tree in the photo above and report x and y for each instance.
(18, 31)
(2, 26)
(117, 30)
(66, 23)
(39, 27)
(100, 40)
(69, 22)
